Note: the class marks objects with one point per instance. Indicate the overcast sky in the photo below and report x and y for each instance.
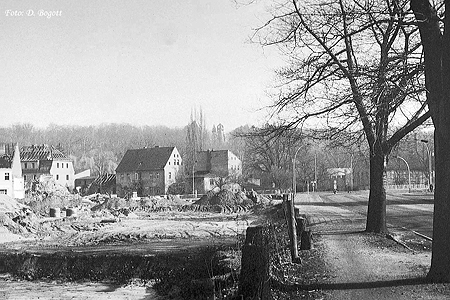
(144, 62)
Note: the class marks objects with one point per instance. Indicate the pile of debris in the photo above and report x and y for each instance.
(47, 193)
(159, 203)
(145, 204)
(16, 218)
(222, 201)
(224, 197)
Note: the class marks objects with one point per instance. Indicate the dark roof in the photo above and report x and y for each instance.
(145, 159)
(41, 152)
(105, 179)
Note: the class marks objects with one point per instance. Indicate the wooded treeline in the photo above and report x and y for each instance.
(101, 147)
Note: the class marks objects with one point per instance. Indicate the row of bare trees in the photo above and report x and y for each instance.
(377, 69)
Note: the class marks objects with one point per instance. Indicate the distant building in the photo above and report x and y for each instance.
(11, 179)
(45, 159)
(212, 169)
(148, 171)
(341, 178)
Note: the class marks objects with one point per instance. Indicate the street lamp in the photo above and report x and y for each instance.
(430, 172)
(294, 180)
(409, 172)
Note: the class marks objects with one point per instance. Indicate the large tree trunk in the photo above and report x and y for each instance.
(376, 211)
(440, 261)
(436, 47)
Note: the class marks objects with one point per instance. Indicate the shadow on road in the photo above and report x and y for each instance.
(353, 285)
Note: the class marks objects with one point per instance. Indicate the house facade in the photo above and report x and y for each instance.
(148, 171)
(45, 159)
(213, 168)
(11, 179)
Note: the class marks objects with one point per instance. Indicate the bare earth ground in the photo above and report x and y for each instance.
(367, 266)
(144, 232)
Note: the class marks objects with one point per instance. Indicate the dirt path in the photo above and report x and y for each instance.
(361, 269)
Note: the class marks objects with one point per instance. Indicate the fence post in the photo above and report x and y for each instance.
(254, 279)
(289, 204)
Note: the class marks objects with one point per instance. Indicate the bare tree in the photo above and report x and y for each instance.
(196, 139)
(270, 155)
(354, 66)
(435, 37)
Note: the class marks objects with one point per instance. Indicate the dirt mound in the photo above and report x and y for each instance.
(224, 197)
(158, 203)
(10, 205)
(17, 218)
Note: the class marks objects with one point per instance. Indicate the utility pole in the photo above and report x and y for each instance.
(315, 172)
(430, 171)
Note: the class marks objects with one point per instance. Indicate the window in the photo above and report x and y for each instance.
(169, 163)
(32, 165)
(67, 165)
(67, 177)
(35, 177)
(3, 192)
(157, 175)
(25, 177)
(25, 165)
(136, 176)
(57, 165)
(170, 175)
(57, 177)
(6, 176)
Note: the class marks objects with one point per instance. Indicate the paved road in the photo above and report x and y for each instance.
(411, 211)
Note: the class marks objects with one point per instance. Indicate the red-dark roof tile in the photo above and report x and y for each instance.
(145, 159)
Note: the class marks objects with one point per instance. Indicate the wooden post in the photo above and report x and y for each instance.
(301, 225)
(254, 280)
(306, 240)
(291, 228)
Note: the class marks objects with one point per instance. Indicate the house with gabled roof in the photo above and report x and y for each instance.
(148, 171)
(38, 160)
(213, 167)
(11, 179)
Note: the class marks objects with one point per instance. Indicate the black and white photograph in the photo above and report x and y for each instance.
(224, 149)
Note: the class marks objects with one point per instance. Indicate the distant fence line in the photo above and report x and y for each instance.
(406, 186)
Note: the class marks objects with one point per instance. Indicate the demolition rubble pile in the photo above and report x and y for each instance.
(225, 201)
(47, 193)
(119, 207)
(16, 219)
(159, 203)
